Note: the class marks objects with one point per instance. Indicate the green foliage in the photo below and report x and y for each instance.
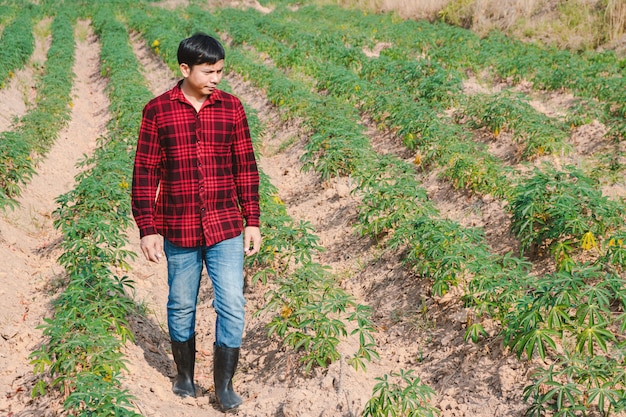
(285, 241)
(98, 396)
(441, 250)
(391, 196)
(406, 397)
(571, 386)
(615, 251)
(577, 305)
(38, 129)
(480, 173)
(575, 312)
(562, 211)
(536, 133)
(16, 44)
(313, 314)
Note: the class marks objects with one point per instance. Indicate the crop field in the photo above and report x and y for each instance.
(442, 216)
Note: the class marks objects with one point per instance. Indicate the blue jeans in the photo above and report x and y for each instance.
(224, 263)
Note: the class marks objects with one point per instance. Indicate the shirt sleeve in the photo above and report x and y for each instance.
(146, 173)
(245, 170)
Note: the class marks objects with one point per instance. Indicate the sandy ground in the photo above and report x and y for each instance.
(415, 331)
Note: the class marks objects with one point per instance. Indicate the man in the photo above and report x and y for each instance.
(195, 182)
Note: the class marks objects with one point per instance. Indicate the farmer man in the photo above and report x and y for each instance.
(195, 190)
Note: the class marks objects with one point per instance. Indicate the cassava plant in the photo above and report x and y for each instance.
(17, 43)
(36, 131)
(562, 212)
(400, 394)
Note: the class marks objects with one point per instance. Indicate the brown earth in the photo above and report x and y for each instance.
(415, 330)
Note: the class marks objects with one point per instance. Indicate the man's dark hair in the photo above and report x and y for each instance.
(200, 49)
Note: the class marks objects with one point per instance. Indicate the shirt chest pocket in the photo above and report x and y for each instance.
(218, 138)
(179, 145)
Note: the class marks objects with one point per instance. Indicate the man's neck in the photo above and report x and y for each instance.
(194, 99)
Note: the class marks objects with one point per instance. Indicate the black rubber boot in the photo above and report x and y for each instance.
(225, 361)
(185, 358)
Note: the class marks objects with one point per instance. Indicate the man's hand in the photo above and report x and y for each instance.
(251, 240)
(152, 247)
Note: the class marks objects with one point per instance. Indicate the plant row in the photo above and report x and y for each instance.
(500, 285)
(449, 54)
(36, 131)
(17, 42)
(82, 354)
(589, 75)
(461, 164)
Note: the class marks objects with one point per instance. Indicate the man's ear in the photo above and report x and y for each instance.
(185, 70)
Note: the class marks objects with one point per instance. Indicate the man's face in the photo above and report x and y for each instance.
(202, 79)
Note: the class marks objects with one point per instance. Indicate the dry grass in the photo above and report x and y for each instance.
(422, 9)
(575, 24)
(616, 18)
(425, 9)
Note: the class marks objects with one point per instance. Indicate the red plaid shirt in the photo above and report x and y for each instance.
(195, 177)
